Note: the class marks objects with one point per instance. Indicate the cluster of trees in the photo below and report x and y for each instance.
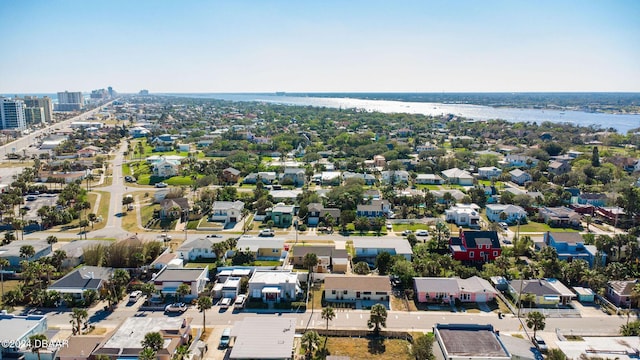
(123, 254)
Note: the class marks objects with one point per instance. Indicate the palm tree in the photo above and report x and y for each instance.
(27, 251)
(377, 318)
(182, 290)
(310, 341)
(3, 264)
(204, 304)
(328, 314)
(153, 341)
(37, 342)
(181, 352)
(147, 354)
(536, 321)
(51, 239)
(78, 316)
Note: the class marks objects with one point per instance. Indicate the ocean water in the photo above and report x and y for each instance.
(621, 122)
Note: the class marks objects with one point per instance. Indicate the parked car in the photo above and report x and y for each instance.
(266, 232)
(176, 308)
(225, 302)
(161, 185)
(540, 344)
(214, 236)
(134, 296)
(129, 178)
(504, 226)
(31, 197)
(422, 232)
(240, 301)
(225, 338)
(407, 232)
(389, 227)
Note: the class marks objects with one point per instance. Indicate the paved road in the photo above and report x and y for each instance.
(351, 319)
(25, 141)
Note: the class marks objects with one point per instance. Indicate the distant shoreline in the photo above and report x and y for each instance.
(623, 103)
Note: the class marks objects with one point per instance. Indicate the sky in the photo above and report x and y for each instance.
(320, 46)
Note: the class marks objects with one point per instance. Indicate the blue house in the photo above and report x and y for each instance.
(570, 246)
(592, 199)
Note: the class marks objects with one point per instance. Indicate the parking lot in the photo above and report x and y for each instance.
(39, 201)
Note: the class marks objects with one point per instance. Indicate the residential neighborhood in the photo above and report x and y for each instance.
(238, 246)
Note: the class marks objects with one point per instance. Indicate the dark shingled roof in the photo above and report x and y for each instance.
(475, 238)
(86, 277)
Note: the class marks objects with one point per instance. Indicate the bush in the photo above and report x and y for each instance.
(302, 227)
(299, 304)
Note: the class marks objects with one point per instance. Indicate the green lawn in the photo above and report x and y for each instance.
(412, 227)
(427, 186)
(532, 226)
(179, 181)
(367, 348)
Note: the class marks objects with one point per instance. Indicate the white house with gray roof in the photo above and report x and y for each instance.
(200, 248)
(11, 251)
(369, 248)
(82, 279)
(274, 286)
(227, 211)
(168, 280)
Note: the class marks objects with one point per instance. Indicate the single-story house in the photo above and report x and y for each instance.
(473, 289)
(200, 248)
(369, 248)
(619, 292)
(274, 286)
(429, 179)
(458, 176)
(82, 279)
(11, 251)
(262, 248)
(559, 216)
(75, 250)
(263, 338)
(168, 280)
(546, 292)
(357, 288)
(328, 257)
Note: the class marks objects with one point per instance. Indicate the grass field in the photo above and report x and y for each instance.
(102, 209)
(532, 226)
(367, 348)
(9, 285)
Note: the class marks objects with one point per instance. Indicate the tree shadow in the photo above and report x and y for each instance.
(376, 345)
